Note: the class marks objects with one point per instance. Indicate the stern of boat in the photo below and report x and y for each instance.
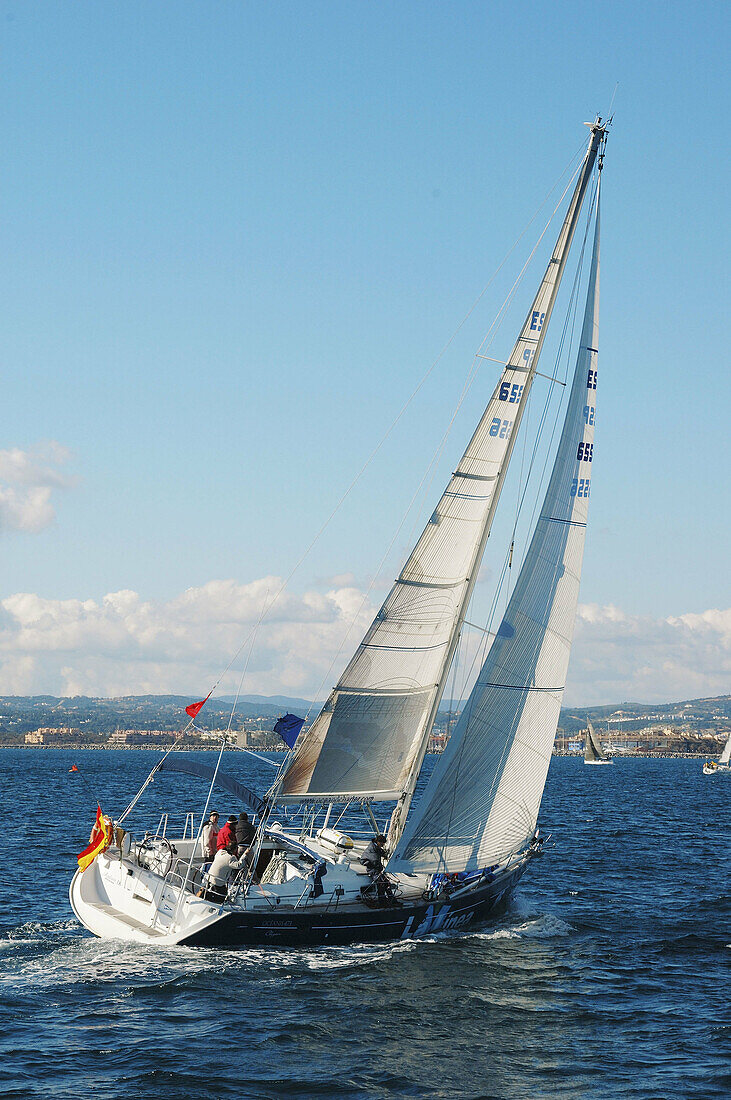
(116, 901)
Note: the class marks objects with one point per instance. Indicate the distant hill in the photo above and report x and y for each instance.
(700, 713)
(282, 702)
(21, 714)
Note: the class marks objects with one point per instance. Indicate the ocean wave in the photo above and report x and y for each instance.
(366, 954)
(33, 931)
(543, 927)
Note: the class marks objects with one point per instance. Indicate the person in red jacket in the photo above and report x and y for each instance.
(226, 835)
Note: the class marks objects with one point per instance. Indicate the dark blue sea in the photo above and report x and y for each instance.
(607, 977)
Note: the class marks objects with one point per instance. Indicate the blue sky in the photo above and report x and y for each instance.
(237, 235)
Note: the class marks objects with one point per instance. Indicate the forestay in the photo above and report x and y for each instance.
(372, 730)
(482, 801)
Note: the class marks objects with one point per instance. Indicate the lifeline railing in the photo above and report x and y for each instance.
(188, 825)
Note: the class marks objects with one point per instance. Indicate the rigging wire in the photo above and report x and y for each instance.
(555, 380)
(568, 344)
(246, 665)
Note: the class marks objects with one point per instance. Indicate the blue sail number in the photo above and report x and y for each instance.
(501, 428)
(510, 391)
(580, 487)
(585, 453)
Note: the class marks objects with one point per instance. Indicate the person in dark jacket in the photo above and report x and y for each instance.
(245, 832)
(372, 857)
(372, 860)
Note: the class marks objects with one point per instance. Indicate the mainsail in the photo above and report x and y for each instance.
(370, 737)
(592, 748)
(482, 801)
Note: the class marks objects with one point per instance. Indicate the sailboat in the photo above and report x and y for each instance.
(349, 781)
(593, 751)
(712, 767)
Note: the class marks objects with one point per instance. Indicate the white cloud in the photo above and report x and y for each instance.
(124, 645)
(619, 657)
(27, 481)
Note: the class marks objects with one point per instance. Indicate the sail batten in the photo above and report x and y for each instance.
(372, 733)
(482, 801)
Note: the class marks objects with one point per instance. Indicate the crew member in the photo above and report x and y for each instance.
(210, 835)
(372, 857)
(219, 873)
(227, 834)
(245, 832)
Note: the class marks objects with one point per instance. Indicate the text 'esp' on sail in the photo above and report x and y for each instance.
(371, 734)
(482, 801)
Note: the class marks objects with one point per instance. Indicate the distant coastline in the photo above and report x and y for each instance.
(693, 728)
(617, 757)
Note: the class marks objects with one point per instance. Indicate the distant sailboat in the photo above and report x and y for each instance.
(473, 833)
(593, 751)
(724, 761)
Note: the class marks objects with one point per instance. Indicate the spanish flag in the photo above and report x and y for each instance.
(99, 841)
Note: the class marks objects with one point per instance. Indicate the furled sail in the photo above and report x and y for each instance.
(592, 748)
(481, 803)
(370, 736)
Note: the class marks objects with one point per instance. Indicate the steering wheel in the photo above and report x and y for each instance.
(158, 855)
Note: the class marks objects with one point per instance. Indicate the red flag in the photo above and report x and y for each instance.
(193, 708)
(73, 768)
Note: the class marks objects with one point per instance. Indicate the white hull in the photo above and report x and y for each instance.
(116, 898)
(719, 769)
(593, 762)
(138, 907)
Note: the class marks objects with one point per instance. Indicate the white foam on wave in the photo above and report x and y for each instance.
(34, 929)
(82, 961)
(339, 958)
(85, 961)
(543, 927)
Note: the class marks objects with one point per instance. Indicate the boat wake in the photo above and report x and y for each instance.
(43, 956)
(35, 931)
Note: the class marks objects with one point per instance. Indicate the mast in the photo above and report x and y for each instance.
(524, 358)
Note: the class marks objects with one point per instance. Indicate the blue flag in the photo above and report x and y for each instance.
(288, 728)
